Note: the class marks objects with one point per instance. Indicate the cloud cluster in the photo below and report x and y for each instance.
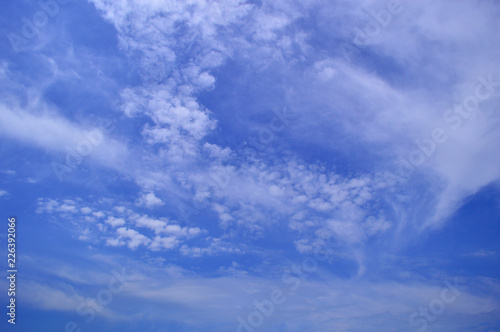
(119, 226)
(177, 47)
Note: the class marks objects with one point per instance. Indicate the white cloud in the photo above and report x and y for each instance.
(8, 172)
(481, 253)
(98, 214)
(31, 180)
(133, 238)
(341, 107)
(218, 301)
(375, 226)
(115, 242)
(67, 208)
(156, 225)
(149, 200)
(216, 246)
(46, 131)
(168, 234)
(115, 222)
(163, 242)
(49, 131)
(47, 205)
(120, 209)
(194, 231)
(86, 210)
(50, 298)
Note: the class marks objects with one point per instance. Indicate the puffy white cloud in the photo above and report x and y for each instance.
(98, 214)
(132, 238)
(115, 222)
(167, 233)
(156, 225)
(149, 200)
(53, 206)
(86, 210)
(163, 242)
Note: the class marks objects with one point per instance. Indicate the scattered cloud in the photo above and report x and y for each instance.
(149, 200)
(218, 143)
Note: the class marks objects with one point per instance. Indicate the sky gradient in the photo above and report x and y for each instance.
(253, 165)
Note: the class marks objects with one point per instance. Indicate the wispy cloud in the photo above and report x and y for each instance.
(214, 144)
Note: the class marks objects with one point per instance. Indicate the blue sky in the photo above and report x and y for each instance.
(252, 165)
